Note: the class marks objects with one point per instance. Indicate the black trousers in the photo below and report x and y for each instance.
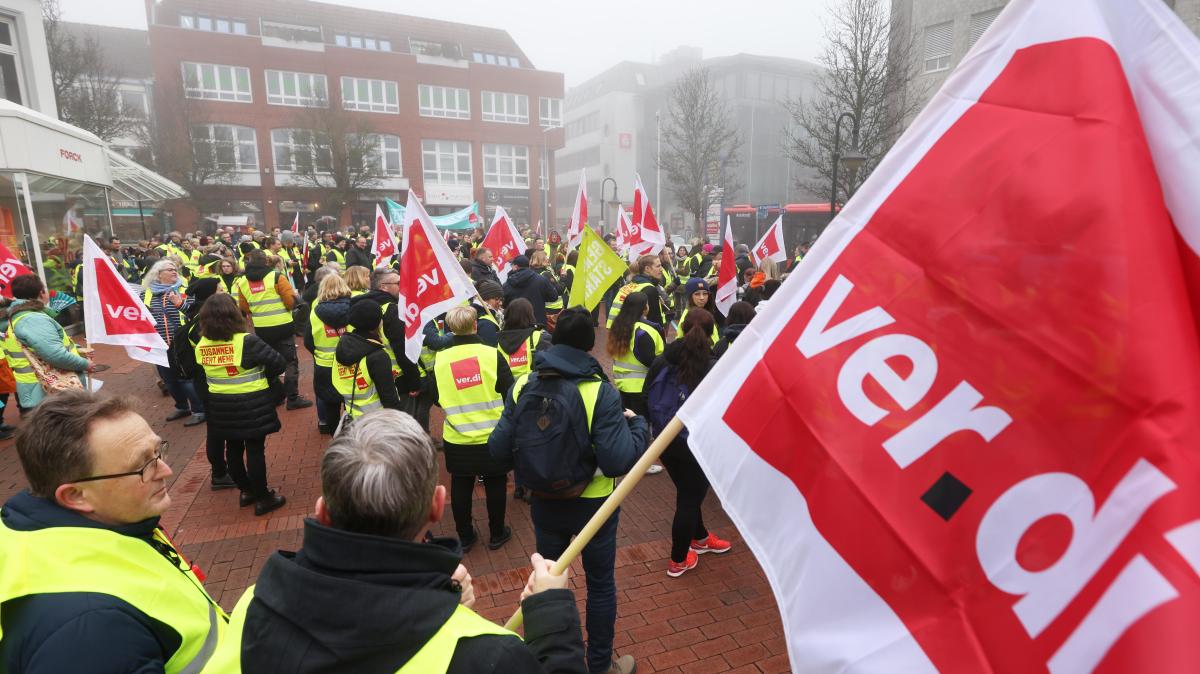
(283, 341)
(691, 486)
(214, 448)
(462, 489)
(247, 461)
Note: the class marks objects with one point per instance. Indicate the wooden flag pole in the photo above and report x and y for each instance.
(610, 505)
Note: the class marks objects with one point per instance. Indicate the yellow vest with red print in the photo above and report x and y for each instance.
(466, 383)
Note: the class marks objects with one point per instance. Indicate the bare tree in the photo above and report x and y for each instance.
(86, 89)
(868, 62)
(700, 144)
(181, 146)
(337, 154)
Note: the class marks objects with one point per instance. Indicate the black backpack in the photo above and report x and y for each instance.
(664, 396)
(554, 457)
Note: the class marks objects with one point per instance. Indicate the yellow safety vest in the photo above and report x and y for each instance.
(668, 277)
(619, 301)
(222, 363)
(486, 316)
(715, 336)
(589, 390)
(22, 369)
(325, 339)
(266, 306)
(357, 388)
(432, 658)
(387, 346)
(629, 375)
(426, 359)
(466, 382)
(521, 360)
(339, 256)
(85, 559)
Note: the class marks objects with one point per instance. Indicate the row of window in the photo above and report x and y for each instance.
(939, 40)
(215, 24)
(447, 162)
(232, 83)
(496, 59)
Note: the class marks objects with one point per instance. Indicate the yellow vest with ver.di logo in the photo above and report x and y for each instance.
(222, 363)
(357, 388)
(466, 383)
(266, 306)
(164, 587)
(325, 339)
(521, 360)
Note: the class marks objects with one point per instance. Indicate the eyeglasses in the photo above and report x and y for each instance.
(163, 447)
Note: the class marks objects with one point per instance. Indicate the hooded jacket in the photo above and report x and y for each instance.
(393, 331)
(618, 441)
(350, 602)
(352, 347)
(527, 283)
(42, 335)
(728, 336)
(58, 632)
(510, 340)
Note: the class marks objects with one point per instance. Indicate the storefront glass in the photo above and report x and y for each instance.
(64, 210)
(13, 231)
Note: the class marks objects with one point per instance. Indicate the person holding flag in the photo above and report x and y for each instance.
(31, 328)
(163, 295)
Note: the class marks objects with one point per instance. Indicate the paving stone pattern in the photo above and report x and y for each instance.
(719, 617)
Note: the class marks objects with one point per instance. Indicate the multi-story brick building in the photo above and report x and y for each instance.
(459, 112)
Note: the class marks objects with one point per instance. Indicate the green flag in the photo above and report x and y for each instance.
(597, 268)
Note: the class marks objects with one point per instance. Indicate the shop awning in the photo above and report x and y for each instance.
(135, 182)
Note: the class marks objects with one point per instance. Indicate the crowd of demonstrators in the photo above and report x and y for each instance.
(521, 393)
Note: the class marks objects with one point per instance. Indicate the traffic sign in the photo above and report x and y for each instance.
(763, 209)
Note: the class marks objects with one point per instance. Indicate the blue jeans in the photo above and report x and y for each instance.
(181, 390)
(554, 523)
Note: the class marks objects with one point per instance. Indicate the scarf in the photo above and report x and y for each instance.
(157, 288)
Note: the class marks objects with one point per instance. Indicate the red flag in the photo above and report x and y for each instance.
(771, 245)
(623, 234)
(504, 240)
(383, 244)
(11, 267)
(296, 223)
(113, 314)
(966, 427)
(578, 214)
(727, 275)
(431, 280)
(646, 237)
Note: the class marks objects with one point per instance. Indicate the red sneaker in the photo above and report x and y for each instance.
(711, 544)
(676, 570)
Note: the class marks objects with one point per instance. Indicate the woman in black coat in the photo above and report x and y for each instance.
(242, 420)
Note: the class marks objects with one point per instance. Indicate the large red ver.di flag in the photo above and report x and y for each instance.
(965, 434)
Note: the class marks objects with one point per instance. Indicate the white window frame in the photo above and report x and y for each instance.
(442, 162)
(239, 140)
(503, 107)
(939, 47)
(429, 96)
(143, 111)
(387, 147)
(191, 21)
(502, 164)
(234, 95)
(547, 116)
(383, 89)
(315, 151)
(13, 50)
(348, 39)
(313, 81)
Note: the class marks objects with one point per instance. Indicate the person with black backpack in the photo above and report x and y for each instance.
(671, 379)
(567, 436)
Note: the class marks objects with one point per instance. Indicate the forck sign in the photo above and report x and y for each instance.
(69, 155)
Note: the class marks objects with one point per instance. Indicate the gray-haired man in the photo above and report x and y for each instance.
(368, 591)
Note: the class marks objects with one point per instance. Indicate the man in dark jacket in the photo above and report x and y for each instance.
(527, 283)
(481, 267)
(359, 255)
(385, 290)
(364, 343)
(370, 588)
(618, 437)
(97, 487)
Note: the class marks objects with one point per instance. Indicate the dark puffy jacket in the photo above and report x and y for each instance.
(527, 283)
(77, 631)
(352, 348)
(356, 257)
(395, 594)
(244, 416)
(393, 331)
(618, 441)
(481, 272)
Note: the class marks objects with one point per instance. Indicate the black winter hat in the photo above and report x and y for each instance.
(202, 288)
(574, 328)
(490, 290)
(520, 261)
(365, 315)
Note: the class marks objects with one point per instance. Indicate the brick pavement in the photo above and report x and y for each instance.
(719, 617)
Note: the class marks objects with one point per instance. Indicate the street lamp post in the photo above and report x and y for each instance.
(602, 202)
(853, 159)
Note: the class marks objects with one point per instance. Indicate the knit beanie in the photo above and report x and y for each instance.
(574, 328)
(365, 315)
(202, 288)
(693, 285)
(490, 290)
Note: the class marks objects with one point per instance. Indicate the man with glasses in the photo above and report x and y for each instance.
(89, 581)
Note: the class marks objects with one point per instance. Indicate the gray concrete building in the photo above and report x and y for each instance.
(612, 126)
(943, 31)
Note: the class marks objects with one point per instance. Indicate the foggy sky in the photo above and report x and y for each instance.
(581, 39)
